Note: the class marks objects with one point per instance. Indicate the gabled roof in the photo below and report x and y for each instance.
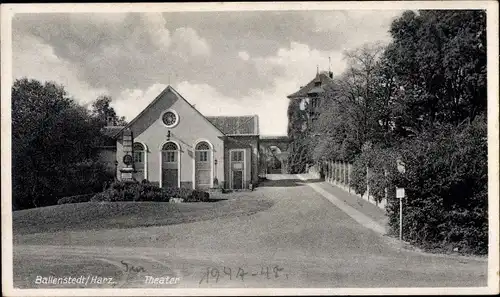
(167, 89)
(283, 138)
(111, 131)
(236, 125)
(311, 86)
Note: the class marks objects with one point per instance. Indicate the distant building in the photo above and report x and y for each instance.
(171, 143)
(311, 96)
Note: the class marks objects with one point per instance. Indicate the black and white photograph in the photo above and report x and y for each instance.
(268, 148)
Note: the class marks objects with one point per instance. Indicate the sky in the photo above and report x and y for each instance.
(225, 63)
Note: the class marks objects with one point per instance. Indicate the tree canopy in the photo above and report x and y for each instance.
(53, 144)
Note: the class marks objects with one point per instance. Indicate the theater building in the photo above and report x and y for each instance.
(172, 144)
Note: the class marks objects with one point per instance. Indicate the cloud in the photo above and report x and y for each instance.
(130, 102)
(187, 38)
(133, 56)
(111, 51)
(299, 62)
(269, 105)
(42, 63)
(155, 24)
(356, 27)
(244, 55)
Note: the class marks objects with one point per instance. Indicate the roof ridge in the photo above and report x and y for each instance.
(227, 116)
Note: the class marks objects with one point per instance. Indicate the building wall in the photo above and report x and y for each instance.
(150, 130)
(251, 146)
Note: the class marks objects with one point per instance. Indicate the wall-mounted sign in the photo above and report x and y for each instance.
(127, 159)
(238, 166)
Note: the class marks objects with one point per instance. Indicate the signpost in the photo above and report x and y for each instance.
(400, 194)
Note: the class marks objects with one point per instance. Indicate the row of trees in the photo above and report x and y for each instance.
(422, 99)
(54, 143)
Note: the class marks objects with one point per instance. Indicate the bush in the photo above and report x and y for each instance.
(146, 191)
(358, 176)
(446, 187)
(75, 199)
(198, 196)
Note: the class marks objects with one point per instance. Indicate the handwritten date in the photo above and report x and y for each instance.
(215, 274)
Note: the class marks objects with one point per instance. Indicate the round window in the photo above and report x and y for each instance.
(170, 118)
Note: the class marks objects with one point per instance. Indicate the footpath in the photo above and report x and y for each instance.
(362, 211)
(367, 214)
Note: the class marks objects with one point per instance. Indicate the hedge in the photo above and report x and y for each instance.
(146, 191)
(446, 185)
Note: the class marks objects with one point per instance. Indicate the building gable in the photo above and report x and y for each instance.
(164, 101)
(321, 80)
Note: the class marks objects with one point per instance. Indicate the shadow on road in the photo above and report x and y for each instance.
(281, 183)
(287, 182)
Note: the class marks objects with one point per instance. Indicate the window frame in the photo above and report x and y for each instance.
(176, 118)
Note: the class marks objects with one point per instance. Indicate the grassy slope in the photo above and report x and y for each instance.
(98, 215)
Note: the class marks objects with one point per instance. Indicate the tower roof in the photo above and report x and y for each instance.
(314, 86)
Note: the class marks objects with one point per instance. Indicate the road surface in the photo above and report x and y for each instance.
(302, 241)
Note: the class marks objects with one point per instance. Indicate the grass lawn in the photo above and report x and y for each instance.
(109, 215)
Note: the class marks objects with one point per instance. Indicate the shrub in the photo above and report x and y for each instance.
(75, 199)
(146, 191)
(198, 196)
(446, 187)
(358, 176)
(132, 191)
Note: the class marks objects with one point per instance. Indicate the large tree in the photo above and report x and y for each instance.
(351, 108)
(105, 113)
(51, 135)
(439, 59)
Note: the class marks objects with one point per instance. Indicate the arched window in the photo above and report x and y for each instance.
(202, 150)
(138, 150)
(169, 152)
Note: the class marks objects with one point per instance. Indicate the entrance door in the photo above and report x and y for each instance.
(170, 165)
(237, 179)
(237, 169)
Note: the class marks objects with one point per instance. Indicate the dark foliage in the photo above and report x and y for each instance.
(446, 185)
(145, 191)
(54, 143)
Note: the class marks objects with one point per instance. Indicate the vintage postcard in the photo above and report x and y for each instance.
(300, 148)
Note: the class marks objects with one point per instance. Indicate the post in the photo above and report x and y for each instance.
(401, 219)
(345, 173)
(349, 177)
(331, 172)
(400, 194)
(367, 184)
(336, 172)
